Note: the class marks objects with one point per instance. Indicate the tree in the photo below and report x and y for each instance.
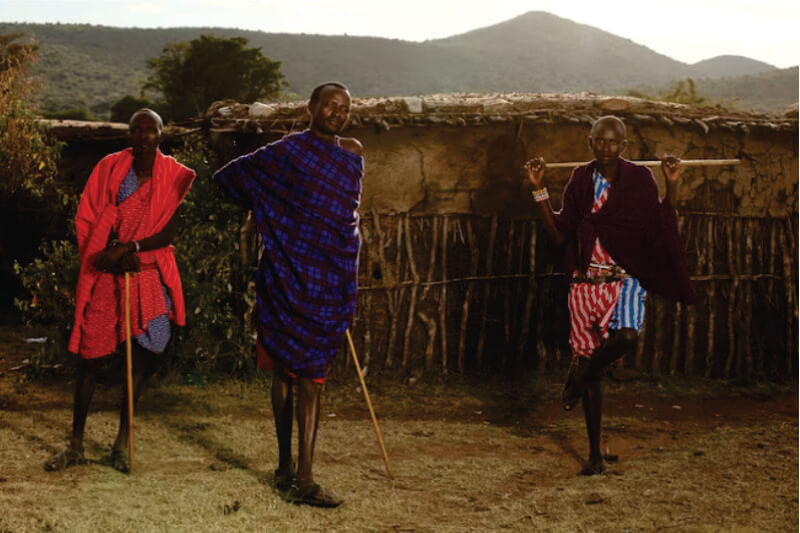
(192, 75)
(27, 161)
(127, 106)
(683, 92)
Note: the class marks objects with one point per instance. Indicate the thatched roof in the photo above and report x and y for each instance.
(81, 130)
(446, 109)
(485, 109)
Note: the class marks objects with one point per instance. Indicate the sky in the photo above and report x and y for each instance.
(686, 30)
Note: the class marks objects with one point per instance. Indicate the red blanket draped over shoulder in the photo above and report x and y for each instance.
(98, 215)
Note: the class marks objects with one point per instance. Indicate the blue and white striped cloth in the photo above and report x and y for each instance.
(629, 309)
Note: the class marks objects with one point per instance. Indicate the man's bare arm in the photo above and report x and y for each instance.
(671, 167)
(351, 145)
(534, 169)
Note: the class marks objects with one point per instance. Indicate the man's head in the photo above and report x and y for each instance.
(145, 131)
(607, 139)
(329, 108)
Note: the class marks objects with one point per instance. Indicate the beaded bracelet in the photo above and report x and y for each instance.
(136, 245)
(540, 195)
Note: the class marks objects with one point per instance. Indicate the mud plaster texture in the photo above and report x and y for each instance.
(446, 154)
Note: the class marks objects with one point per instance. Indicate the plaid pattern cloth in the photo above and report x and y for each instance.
(303, 193)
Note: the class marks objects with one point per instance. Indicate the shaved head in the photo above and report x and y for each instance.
(609, 121)
(145, 111)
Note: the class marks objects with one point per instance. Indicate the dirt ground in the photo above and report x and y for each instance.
(467, 456)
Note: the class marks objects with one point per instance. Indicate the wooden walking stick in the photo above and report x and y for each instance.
(129, 364)
(684, 162)
(369, 404)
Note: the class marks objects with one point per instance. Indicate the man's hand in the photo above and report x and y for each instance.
(108, 259)
(127, 263)
(671, 167)
(534, 169)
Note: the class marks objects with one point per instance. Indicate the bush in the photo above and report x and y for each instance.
(27, 160)
(216, 276)
(51, 282)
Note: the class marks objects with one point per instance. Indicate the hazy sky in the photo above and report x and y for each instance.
(686, 30)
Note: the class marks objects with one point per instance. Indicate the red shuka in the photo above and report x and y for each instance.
(98, 215)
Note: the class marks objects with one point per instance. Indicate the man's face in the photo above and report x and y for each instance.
(607, 142)
(145, 134)
(330, 113)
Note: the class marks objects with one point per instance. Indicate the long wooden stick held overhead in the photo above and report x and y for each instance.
(129, 365)
(369, 404)
(684, 162)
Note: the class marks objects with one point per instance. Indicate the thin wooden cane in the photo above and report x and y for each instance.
(684, 162)
(129, 365)
(369, 404)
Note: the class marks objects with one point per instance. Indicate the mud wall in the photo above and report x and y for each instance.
(455, 277)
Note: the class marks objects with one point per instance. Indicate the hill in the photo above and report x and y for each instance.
(767, 91)
(92, 67)
(727, 66)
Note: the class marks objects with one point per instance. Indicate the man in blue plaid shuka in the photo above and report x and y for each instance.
(303, 191)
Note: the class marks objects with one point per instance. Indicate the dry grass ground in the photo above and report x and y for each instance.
(466, 457)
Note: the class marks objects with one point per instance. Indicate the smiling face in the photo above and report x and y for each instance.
(145, 133)
(330, 112)
(607, 141)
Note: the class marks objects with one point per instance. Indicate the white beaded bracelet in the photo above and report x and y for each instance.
(136, 245)
(540, 195)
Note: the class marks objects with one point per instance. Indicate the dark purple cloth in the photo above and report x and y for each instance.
(638, 229)
(303, 193)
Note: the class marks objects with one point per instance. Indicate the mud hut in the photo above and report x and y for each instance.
(455, 277)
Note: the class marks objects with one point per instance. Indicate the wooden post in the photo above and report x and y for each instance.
(369, 405)
(129, 365)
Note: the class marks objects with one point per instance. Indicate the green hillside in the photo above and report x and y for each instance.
(91, 67)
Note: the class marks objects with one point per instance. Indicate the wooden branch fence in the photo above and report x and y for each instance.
(480, 294)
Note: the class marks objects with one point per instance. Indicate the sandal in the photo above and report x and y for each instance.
(312, 495)
(119, 460)
(64, 459)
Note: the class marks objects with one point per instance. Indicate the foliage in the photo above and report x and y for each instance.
(192, 75)
(51, 281)
(27, 161)
(683, 92)
(217, 288)
(70, 114)
(94, 66)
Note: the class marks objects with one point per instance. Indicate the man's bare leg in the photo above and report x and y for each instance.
(593, 413)
(308, 400)
(282, 410)
(619, 343)
(616, 346)
(305, 491)
(84, 391)
(85, 385)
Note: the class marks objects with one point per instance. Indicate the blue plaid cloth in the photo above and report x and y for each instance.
(304, 193)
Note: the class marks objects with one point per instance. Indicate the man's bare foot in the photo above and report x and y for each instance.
(312, 495)
(119, 460)
(284, 480)
(575, 383)
(64, 459)
(595, 467)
